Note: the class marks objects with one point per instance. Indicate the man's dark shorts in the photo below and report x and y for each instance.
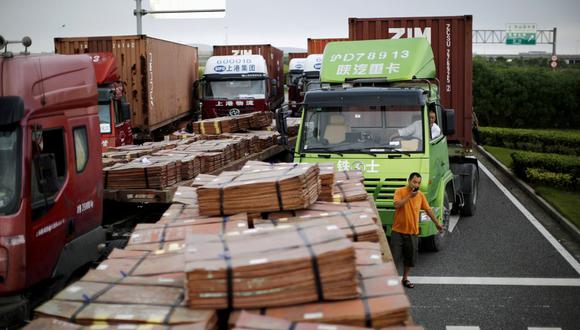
(405, 246)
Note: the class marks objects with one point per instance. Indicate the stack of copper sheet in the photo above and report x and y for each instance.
(184, 135)
(357, 225)
(249, 321)
(118, 292)
(215, 126)
(112, 161)
(322, 208)
(190, 163)
(367, 253)
(127, 155)
(345, 191)
(203, 179)
(253, 141)
(286, 188)
(153, 237)
(261, 268)
(259, 120)
(382, 302)
(45, 323)
(351, 175)
(227, 147)
(267, 138)
(144, 173)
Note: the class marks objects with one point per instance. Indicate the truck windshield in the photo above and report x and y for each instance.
(105, 117)
(236, 89)
(363, 129)
(10, 168)
(294, 77)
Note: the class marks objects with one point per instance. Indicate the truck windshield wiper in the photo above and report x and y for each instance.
(321, 150)
(393, 150)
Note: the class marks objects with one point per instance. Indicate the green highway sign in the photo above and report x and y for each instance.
(520, 34)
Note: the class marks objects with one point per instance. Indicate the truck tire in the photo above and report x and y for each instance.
(470, 200)
(438, 241)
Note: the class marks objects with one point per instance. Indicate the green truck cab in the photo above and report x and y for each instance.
(372, 114)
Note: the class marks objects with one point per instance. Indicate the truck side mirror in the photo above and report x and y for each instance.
(126, 111)
(47, 178)
(274, 87)
(281, 123)
(448, 122)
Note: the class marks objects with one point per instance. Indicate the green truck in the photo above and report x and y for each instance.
(372, 114)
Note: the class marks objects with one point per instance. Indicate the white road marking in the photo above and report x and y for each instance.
(461, 327)
(515, 281)
(565, 254)
(453, 220)
(540, 328)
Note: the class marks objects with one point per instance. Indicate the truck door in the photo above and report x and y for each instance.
(50, 206)
(85, 178)
(106, 124)
(122, 123)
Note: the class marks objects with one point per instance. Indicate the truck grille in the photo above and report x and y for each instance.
(383, 190)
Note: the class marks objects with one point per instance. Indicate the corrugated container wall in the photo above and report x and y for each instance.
(296, 55)
(274, 60)
(450, 38)
(159, 74)
(316, 46)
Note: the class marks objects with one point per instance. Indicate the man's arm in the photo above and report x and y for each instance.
(434, 219)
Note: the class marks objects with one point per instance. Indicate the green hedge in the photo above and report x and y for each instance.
(561, 170)
(518, 96)
(552, 179)
(546, 141)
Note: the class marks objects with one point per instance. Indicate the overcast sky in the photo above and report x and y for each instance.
(281, 23)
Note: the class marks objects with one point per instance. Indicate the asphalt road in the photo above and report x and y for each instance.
(499, 271)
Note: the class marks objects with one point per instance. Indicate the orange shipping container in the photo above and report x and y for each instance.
(296, 55)
(316, 46)
(159, 74)
(450, 38)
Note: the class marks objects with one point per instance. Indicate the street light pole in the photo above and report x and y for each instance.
(139, 12)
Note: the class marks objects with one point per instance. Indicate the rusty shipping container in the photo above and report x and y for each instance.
(159, 74)
(316, 46)
(296, 55)
(274, 60)
(450, 38)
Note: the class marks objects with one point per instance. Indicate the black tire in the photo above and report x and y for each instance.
(470, 200)
(438, 241)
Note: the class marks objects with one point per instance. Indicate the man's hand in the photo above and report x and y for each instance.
(439, 227)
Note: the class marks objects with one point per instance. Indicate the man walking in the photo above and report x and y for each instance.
(404, 237)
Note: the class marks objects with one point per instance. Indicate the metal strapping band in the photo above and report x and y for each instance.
(175, 304)
(314, 262)
(365, 301)
(163, 233)
(279, 194)
(224, 223)
(146, 177)
(229, 273)
(351, 225)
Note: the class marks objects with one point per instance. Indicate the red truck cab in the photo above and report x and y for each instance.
(51, 184)
(114, 111)
(233, 85)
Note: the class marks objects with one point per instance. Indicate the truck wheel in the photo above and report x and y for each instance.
(438, 241)
(470, 200)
